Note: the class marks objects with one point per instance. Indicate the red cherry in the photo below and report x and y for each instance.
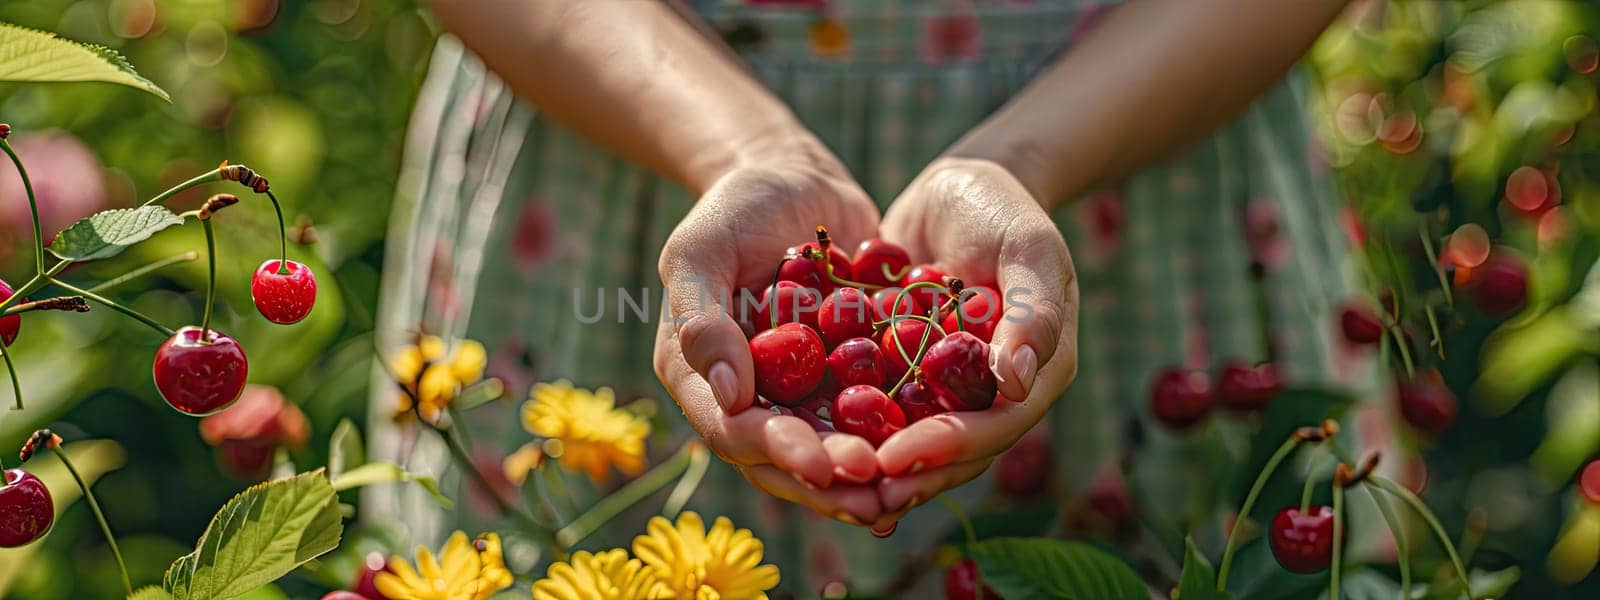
(1180, 398)
(26, 510)
(962, 582)
(927, 298)
(287, 297)
(866, 411)
(1499, 286)
(957, 369)
(883, 303)
(789, 361)
(917, 401)
(981, 311)
(1302, 543)
(1359, 324)
(366, 577)
(811, 273)
(875, 256)
(1589, 481)
(200, 376)
(794, 304)
(1426, 403)
(857, 361)
(343, 595)
(904, 334)
(8, 325)
(844, 315)
(1022, 470)
(1247, 389)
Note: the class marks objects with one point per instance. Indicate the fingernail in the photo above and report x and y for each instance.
(886, 533)
(841, 473)
(724, 385)
(915, 467)
(802, 480)
(1025, 362)
(845, 517)
(910, 502)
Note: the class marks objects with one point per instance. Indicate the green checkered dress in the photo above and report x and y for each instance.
(501, 215)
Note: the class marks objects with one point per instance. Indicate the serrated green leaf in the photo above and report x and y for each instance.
(106, 234)
(1198, 582)
(386, 472)
(1027, 568)
(150, 593)
(40, 56)
(260, 535)
(345, 450)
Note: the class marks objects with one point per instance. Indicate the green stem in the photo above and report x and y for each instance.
(961, 516)
(459, 454)
(1310, 486)
(1397, 335)
(16, 384)
(1249, 502)
(913, 363)
(1433, 260)
(136, 315)
(699, 461)
(203, 178)
(94, 506)
(1396, 529)
(556, 493)
(283, 236)
(632, 493)
(1433, 327)
(211, 278)
(1338, 542)
(146, 270)
(1416, 504)
(33, 207)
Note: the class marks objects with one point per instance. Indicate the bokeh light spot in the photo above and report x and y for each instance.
(1527, 188)
(1467, 247)
(1583, 54)
(206, 44)
(132, 19)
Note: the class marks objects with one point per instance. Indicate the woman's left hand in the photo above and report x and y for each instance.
(973, 219)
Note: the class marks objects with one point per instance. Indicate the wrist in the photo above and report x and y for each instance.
(788, 146)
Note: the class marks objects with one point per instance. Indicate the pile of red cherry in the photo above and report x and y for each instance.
(868, 344)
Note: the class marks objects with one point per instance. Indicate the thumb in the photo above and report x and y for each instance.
(1038, 288)
(713, 344)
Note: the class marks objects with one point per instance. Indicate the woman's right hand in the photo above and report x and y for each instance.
(733, 240)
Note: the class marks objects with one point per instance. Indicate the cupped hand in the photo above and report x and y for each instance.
(973, 219)
(733, 240)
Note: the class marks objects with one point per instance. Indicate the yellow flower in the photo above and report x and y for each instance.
(609, 575)
(594, 434)
(693, 564)
(464, 570)
(436, 373)
(519, 463)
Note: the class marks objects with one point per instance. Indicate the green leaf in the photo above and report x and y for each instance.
(1011, 521)
(1025, 568)
(40, 56)
(106, 234)
(260, 535)
(1199, 582)
(150, 593)
(345, 450)
(386, 472)
(1485, 584)
(1256, 575)
(1365, 584)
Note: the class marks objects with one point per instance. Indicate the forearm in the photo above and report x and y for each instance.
(1155, 75)
(636, 78)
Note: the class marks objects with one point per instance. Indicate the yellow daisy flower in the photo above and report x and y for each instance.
(694, 564)
(464, 570)
(609, 575)
(594, 434)
(437, 373)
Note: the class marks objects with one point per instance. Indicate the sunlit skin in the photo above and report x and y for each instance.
(646, 81)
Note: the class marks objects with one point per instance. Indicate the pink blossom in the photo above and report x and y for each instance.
(67, 178)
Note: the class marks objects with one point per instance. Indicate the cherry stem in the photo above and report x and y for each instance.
(94, 506)
(16, 385)
(1424, 234)
(1310, 485)
(961, 516)
(1433, 325)
(146, 270)
(837, 280)
(211, 279)
(1283, 452)
(283, 235)
(678, 468)
(1394, 333)
(1338, 541)
(136, 315)
(1421, 508)
(203, 178)
(776, 273)
(1400, 545)
(912, 364)
(33, 207)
